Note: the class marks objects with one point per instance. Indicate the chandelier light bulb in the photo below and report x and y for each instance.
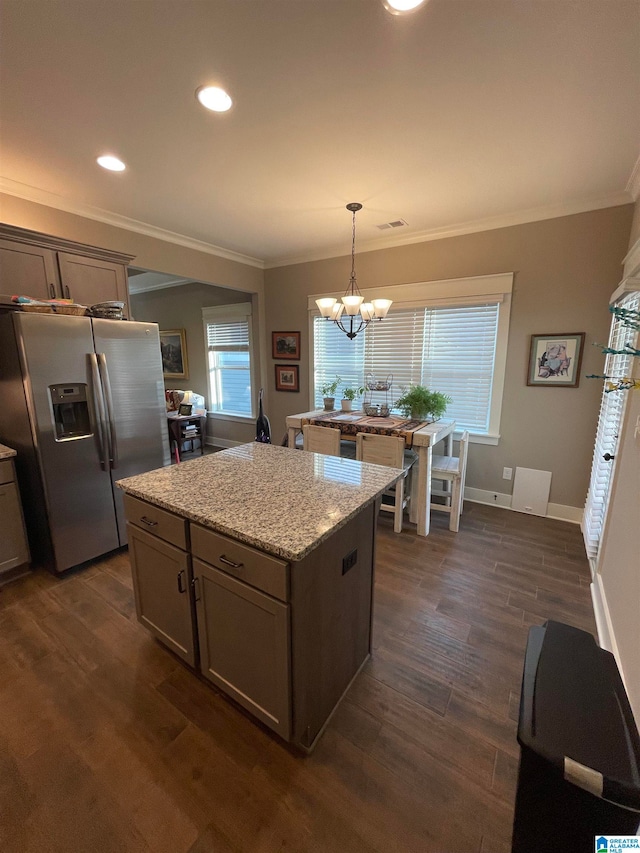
(380, 307)
(367, 311)
(352, 304)
(326, 305)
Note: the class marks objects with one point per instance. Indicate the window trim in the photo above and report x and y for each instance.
(497, 287)
(236, 311)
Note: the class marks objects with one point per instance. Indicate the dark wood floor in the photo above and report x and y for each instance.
(107, 743)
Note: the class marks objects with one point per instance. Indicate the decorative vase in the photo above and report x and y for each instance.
(346, 405)
(329, 403)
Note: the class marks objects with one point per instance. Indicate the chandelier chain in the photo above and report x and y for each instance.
(353, 248)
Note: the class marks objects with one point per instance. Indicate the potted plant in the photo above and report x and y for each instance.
(421, 404)
(349, 394)
(328, 391)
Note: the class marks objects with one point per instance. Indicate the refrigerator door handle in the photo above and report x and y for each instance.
(99, 412)
(106, 384)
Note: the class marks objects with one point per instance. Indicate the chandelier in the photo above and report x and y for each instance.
(352, 314)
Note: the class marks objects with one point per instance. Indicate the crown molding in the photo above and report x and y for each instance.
(490, 224)
(633, 184)
(176, 282)
(28, 193)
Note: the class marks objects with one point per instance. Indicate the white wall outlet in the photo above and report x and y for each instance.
(507, 473)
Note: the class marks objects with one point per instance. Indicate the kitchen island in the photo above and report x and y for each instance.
(255, 566)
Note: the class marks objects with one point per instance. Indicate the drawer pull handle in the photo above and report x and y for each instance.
(181, 586)
(148, 521)
(230, 563)
(196, 591)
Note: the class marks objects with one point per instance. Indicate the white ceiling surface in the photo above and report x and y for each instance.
(463, 112)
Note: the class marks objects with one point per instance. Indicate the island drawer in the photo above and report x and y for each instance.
(259, 570)
(172, 528)
(6, 471)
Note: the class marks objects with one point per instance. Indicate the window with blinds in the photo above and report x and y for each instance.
(446, 348)
(227, 331)
(609, 422)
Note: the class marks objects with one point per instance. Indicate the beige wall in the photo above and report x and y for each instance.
(181, 308)
(565, 270)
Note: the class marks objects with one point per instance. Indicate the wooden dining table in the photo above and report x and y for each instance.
(419, 436)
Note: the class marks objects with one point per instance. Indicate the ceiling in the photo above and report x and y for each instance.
(463, 115)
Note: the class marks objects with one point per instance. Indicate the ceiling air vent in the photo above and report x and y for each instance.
(397, 223)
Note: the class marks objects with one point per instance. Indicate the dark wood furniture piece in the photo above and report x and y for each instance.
(181, 438)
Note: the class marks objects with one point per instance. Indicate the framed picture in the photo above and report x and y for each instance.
(185, 409)
(285, 345)
(287, 377)
(554, 360)
(173, 346)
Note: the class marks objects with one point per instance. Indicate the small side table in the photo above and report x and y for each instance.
(180, 436)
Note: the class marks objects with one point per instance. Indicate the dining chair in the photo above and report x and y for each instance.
(451, 469)
(318, 439)
(388, 450)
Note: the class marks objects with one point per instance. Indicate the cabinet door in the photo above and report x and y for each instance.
(28, 270)
(162, 589)
(244, 645)
(90, 280)
(13, 544)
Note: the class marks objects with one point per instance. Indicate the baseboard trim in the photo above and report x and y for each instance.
(604, 626)
(482, 496)
(601, 612)
(212, 441)
(561, 512)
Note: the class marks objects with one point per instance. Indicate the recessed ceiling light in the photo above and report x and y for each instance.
(113, 164)
(400, 7)
(214, 98)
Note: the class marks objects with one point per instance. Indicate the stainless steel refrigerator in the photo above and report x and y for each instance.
(82, 402)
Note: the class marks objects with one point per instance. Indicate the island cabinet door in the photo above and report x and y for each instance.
(162, 590)
(244, 645)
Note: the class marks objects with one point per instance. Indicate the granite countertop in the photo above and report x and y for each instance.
(277, 499)
(6, 452)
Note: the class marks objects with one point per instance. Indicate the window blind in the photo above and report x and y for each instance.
(228, 335)
(609, 422)
(228, 340)
(447, 348)
(335, 355)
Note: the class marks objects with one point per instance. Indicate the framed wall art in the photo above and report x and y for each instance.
(287, 377)
(554, 360)
(173, 346)
(285, 345)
